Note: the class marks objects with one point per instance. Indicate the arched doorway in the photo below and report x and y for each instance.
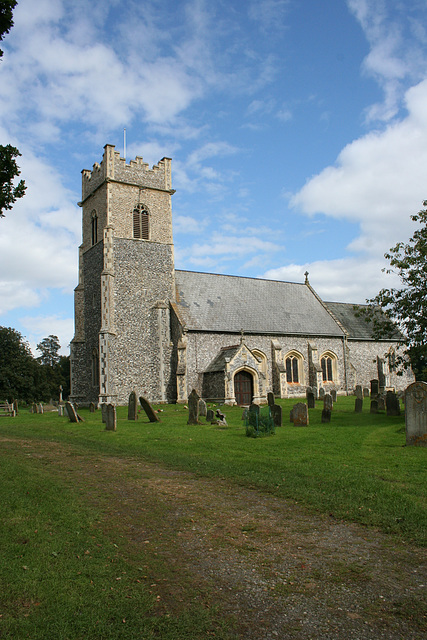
(243, 388)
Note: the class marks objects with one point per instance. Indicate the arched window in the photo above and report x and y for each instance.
(140, 222)
(95, 368)
(94, 223)
(328, 362)
(294, 371)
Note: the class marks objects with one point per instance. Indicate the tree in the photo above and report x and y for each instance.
(9, 170)
(49, 349)
(406, 307)
(17, 367)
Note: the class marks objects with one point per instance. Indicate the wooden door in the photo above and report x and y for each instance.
(243, 388)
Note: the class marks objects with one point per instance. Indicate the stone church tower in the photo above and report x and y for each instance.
(126, 283)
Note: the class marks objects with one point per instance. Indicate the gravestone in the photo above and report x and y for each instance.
(300, 415)
(321, 393)
(254, 408)
(315, 392)
(311, 403)
(291, 415)
(72, 414)
(416, 414)
(40, 408)
(327, 409)
(270, 399)
(381, 403)
(375, 388)
(202, 408)
(60, 410)
(276, 412)
(374, 406)
(92, 407)
(358, 405)
(151, 414)
(221, 418)
(334, 395)
(211, 416)
(358, 392)
(392, 404)
(132, 406)
(111, 418)
(104, 412)
(365, 392)
(193, 408)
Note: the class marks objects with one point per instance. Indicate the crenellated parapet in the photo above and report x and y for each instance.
(136, 172)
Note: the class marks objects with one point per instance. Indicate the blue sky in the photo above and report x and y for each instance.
(297, 129)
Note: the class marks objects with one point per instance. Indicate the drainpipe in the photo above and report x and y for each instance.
(344, 348)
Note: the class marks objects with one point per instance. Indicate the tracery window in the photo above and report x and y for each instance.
(141, 222)
(94, 227)
(328, 362)
(293, 364)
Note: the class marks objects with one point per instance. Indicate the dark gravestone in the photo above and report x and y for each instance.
(92, 407)
(375, 388)
(210, 415)
(276, 412)
(416, 414)
(311, 403)
(392, 404)
(359, 392)
(326, 416)
(300, 415)
(327, 409)
(202, 408)
(132, 407)
(270, 399)
(151, 414)
(358, 405)
(315, 393)
(365, 392)
(321, 393)
(193, 408)
(111, 418)
(334, 395)
(374, 406)
(381, 403)
(104, 412)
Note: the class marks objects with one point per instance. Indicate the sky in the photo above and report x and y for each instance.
(297, 131)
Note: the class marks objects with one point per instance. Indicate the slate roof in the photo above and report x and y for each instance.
(218, 364)
(212, 302)
(357, 327)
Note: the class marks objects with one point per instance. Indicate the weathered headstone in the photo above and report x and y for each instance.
(311, 403)
(92, 407)
(270, 399)
(315, 392)
(334, 395)
(104, 412)
(193, 408)
(300, 414)
(60, 410)
(202, 408)
(416, 414)
(392, 404)
(40, 408)
(72, 413)
(132, 406)
(375, 388)
(211, 416)
(358, 405)
(221, 418)
(365, 392)
(327, 408)
(374, 406)
(254, 408)
(151, 414)
(111, 418)
(381, 403)
(321, 393)
(276, 412)
(358, 392)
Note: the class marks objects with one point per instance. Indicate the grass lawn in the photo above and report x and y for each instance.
(54, 542)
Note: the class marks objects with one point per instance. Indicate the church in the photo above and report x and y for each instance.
(142, 325)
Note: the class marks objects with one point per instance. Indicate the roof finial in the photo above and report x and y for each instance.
(306, 277)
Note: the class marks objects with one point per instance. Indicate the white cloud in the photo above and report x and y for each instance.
(38, 327)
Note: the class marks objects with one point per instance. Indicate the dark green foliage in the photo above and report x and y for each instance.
(259, 424)
(9, 192)
(49, 348)
(406, 307)
(6, 18)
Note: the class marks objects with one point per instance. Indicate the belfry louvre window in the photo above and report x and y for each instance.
(94, 228)
(141, 222)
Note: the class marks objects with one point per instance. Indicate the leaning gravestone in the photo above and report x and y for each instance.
(193, 408)
(111, 418)
(311, 403)
(300, 415)
(151, 414)
(221, 418)
(202, 408)
(358, 405)
(276, 412)
(72, 414)
(132, 407)
(416, 414)
(392, 404)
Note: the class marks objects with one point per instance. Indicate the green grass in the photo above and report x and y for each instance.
(67, 570)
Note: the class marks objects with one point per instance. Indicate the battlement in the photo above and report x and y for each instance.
(137, 172)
